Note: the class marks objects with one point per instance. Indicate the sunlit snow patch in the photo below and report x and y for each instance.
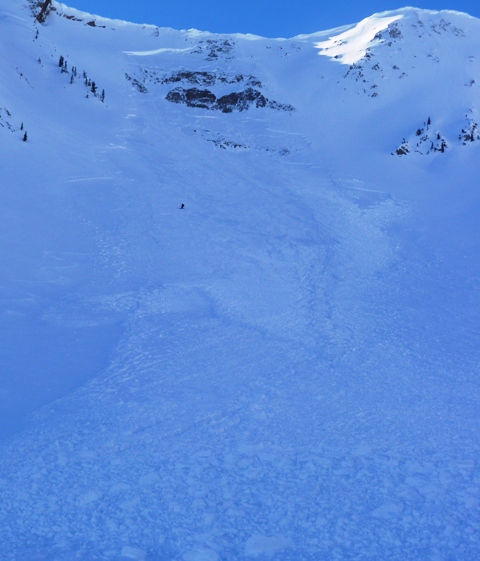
(349, 47)
(157, 51)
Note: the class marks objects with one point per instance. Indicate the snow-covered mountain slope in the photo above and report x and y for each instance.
(287, 367)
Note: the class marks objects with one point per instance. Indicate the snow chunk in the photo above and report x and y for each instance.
(148, 479)
(263, 545)
(349, 47)
(201, 554)
(88, 498)
(388, 510)
(133, 553)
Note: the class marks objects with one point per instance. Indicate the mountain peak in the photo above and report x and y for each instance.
(351, 45)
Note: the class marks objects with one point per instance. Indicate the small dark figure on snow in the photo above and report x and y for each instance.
(25, 137)
(182, 206)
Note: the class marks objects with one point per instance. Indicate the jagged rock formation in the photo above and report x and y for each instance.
(391, 32)
(45, 8)
(199, 78)
(214, 49)
(136, 83)
(235, 101)
(403, 149)
(203, 98)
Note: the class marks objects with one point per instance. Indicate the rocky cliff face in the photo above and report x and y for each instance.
(234, 101)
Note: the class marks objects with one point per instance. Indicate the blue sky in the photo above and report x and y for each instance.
(270, 18)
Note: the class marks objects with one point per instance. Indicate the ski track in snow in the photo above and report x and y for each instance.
(285, 369)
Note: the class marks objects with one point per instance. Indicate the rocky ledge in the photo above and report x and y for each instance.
(235, 101)
(201, 78)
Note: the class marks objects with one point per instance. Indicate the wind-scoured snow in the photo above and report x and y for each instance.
(351, 46)
(284, 369)
(159, 51)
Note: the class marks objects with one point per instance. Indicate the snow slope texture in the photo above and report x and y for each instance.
(287, 367)
(351, 46)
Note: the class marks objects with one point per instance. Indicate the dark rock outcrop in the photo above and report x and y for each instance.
(45, 9)
(235, 101)
(241, 101)
(136, 84)
(201, 78)
(93, 23)
(193, 97)
(207, 78)
(391, 32)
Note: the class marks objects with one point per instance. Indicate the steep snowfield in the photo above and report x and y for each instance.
(352, 45)
(285, 369)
